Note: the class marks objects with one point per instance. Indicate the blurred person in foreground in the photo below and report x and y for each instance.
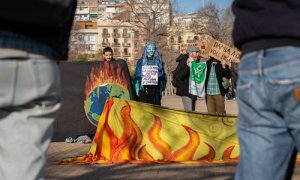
(34, 35)
(268, 88)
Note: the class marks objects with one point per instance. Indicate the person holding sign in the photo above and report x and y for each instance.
(216, 85)
(150, 77)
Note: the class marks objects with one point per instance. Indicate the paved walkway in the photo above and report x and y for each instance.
(176, 171)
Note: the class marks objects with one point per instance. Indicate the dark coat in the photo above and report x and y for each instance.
(46, 22)
(182, 77)
(220, 73)
(261, 24)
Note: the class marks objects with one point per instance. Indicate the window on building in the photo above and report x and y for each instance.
(171, 39)
(86, 38)
(94, 38)
(92, 47)
(136, 34)
(125, 31)
(125, 51)
(135, 45)
(116, 52)
(179, 39)
(105, 31)
(80, 37)
(105, 40)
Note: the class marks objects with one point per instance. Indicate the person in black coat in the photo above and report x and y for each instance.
(182, 78)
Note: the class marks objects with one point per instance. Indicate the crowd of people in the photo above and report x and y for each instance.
(150, 79)
(216, 86)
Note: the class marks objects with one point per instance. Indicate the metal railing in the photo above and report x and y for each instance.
(105, 44)
(126, 35)
(116, 35)
(105, 35)
(116, 44)
(127, 55)
(126, 44)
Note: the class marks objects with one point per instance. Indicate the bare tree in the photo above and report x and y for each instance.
(150, 17)
(76, 45)
(169, 56)
(214, 22)
(152, 20)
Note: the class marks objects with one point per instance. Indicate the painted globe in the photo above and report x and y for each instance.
(96, 100)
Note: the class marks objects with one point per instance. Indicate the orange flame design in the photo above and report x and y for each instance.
(210, 156)
(144, 155)
(227, 154)
(124, 148)
(105, 74)
(187, 152)
(128, 146)
(98, 141)
(154, 137)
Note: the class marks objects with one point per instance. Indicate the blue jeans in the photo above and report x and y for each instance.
(269, 112)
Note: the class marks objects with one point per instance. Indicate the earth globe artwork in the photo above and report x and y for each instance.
(104, 82)
(96, 100)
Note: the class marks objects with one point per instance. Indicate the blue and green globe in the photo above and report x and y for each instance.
(96, 100)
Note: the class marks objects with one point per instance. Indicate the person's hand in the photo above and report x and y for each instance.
(189, 62)
(223, 62)
(225, 83)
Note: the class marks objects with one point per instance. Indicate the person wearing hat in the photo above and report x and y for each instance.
(182, 77)
(193, 53)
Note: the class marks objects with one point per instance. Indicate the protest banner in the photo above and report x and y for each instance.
(85, 88)
(135, 132)
(197, 78)
(221, 52)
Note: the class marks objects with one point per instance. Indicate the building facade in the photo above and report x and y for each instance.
(119, 36)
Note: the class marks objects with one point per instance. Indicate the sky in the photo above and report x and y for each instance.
(190, 6)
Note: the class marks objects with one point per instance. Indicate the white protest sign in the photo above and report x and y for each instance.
(149, 75)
